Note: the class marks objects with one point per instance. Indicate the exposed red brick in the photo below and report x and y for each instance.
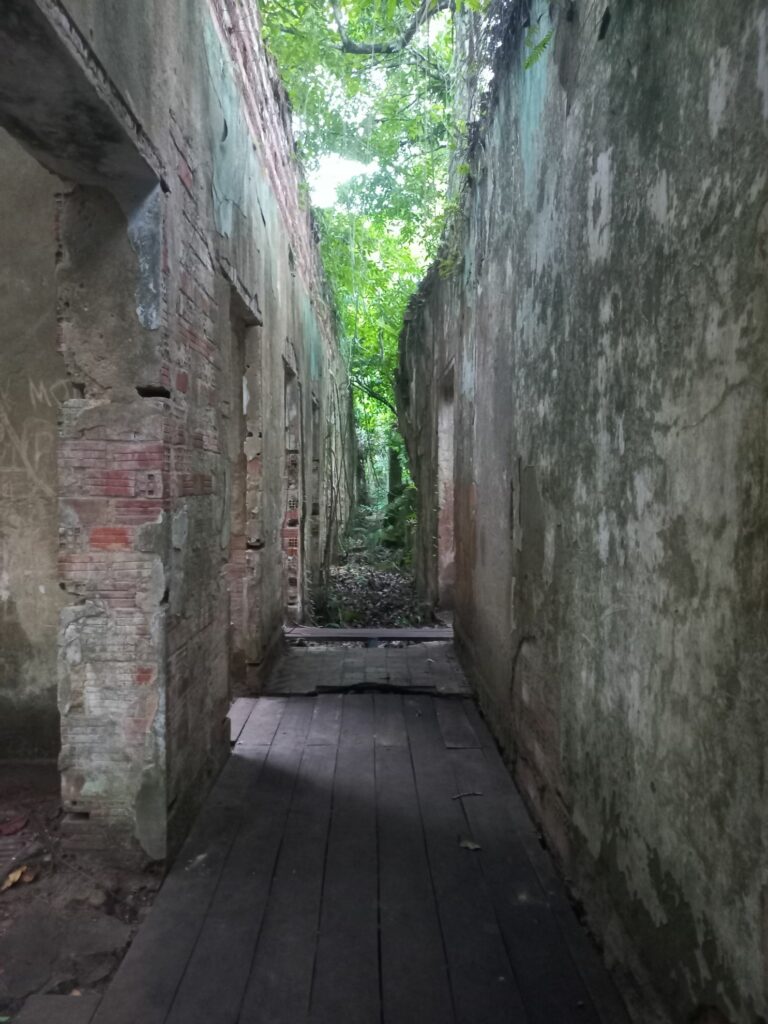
(186, 175)
(110, 538)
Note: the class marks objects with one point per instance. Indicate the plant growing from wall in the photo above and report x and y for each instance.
(536, 44)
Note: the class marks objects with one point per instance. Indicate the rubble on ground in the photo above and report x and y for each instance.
(364, 596)
(66, 919)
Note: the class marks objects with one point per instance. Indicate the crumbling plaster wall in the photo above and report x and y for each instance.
(609, 325)
(147, 291)
(33, 385)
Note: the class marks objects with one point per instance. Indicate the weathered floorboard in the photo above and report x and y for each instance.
(42, 1009)
(373, 633)
(263, 722)
(426, 668)
(455, 727)
(326, 721)
(326, 881)
(482, 980)
(238, 716)
(389, 721)
(549, 982)
(414, 974)
(146, 983)
(478, 724)
(236, 913)
(281, 976)
(603, 993)
(346, 985)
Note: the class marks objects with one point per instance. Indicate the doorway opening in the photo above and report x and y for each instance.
(314, 553)
(293, 538)
(83, 425)
(446, 547)
(243, 431)
(235, 548)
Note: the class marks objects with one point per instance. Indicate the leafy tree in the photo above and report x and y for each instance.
(374, 81)
(370, 81)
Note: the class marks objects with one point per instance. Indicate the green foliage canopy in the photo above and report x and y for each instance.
(391, 110)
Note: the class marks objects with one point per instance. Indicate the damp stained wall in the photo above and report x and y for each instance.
(608, 322)
(33, 386)
(188, 280)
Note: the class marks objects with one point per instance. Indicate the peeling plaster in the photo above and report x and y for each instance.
(599, 209)
(720, 86)
(659, 200)
(145, 234)
(622, 353)
(762, 60)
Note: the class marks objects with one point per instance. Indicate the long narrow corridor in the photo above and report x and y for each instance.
(364, 857)
(348, 316)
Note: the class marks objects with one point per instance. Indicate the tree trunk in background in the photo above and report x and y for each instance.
(395, 488)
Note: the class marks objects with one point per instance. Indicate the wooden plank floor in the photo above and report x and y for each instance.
(363, 859)
(415, 635)
(421, 668)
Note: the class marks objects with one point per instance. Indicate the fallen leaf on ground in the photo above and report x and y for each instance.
(10, 828)
(469, 844)
(13, 878)
(24, 873)
(359, 595)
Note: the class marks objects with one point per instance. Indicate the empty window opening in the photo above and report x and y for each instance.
(153, 391)
(236, 337)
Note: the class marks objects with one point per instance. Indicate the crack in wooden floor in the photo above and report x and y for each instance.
(363, 859)
(423, 667)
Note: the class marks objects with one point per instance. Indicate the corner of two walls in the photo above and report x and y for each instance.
(608, 324)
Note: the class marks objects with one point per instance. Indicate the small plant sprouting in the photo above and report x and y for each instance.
(536, 49)
(450, 263)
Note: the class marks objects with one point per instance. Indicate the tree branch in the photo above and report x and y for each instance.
(426, 9)
(373, 394)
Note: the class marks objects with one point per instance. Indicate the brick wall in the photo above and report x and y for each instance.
(187, 280)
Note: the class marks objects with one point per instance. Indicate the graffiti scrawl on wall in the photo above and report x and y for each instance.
(28, 442)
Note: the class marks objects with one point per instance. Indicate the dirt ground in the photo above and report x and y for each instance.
(364, 595)
(66, 919)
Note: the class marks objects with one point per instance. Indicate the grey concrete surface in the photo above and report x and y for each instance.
(605, 312)
(33, 386)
